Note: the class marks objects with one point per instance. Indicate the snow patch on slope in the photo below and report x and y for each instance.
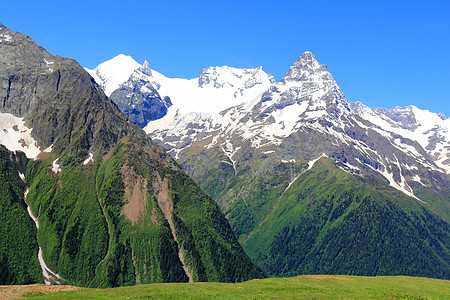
(312, 162)
(56, 167)
(15, 136)
(89, 159)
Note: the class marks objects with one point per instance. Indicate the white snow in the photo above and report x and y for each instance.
(382, 132)
(402, 185)
(89, 159)
(15, 136)
(410, 168)
(229, 153)
(5, 37)
(312, 162)
(289, 116)
(290, 183)
(288, 161)
(187, 96)
(418, 179)
(268, 152)
(22, 176)
(350, 167)
(56, 168)
(217, 88)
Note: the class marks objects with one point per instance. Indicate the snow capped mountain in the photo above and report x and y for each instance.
(110, 74)
(157, 102)
(216, 89)
(245, 110)
(307, 92)
(307, 68)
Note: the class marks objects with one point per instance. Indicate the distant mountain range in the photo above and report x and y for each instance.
(309, 181)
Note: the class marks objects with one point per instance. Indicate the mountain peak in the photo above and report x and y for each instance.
(307, 68)
(110, 74)
(307, 56)
(120, 59)
(145, 69)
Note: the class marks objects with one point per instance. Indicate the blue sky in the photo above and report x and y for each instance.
(383, 53)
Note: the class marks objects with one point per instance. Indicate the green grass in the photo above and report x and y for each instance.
(337, 287)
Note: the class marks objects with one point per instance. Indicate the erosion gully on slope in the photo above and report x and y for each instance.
(162, 195)
(49, 276)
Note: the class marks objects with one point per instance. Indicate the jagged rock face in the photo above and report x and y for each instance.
(58, 99)
(113, 207)
(140, 101)
(404, 116)
(18, 92)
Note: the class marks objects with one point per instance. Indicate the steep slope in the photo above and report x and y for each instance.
(18, 247)
(331, 222)
(113, 208)
(252, 156)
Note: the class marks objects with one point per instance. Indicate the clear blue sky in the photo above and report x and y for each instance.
(383, 53)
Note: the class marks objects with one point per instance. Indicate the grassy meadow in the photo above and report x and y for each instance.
(306, 286)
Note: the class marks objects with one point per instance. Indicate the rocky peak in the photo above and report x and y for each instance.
(308, 82)
(307, 68)
(145, 69)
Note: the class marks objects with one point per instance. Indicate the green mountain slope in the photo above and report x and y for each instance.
(104, 224)
(331, 222)
(18, 246)
(113, 208)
